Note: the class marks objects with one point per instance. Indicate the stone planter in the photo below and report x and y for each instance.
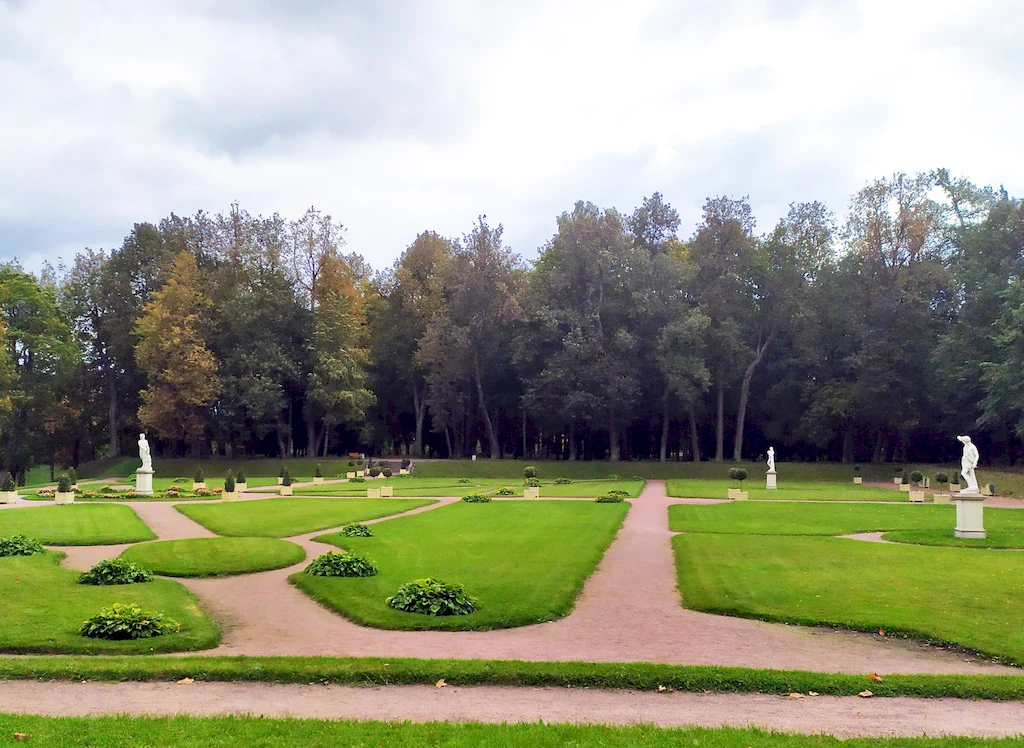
(905, 487)
(403, 471)
(284, 491)
(197, 485)
(858, 480)
(350, 476)
(317, 481)
(917, 496)
(241, 486)
(531, 493)
(738, 494)
(373, 493)
(387, 492)
(280, 481)
(229, 496)
(62, 497)
(941, 498)
(8, 497)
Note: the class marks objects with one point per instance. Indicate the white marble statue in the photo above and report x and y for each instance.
(771, 459)
(144, 455)
(968, 462)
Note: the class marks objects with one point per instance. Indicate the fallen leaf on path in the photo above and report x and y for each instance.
(812, 693)
(440, 684)
(186, 681)
(797, 696)
(876, 677)
(865, 694)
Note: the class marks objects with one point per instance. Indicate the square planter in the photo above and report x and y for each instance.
(64, 497)
(241, 486)
(317, 481)
(284, 491)
(280, 481)
(738, 494)
(531, 493)
(954, 488)
(403, 471)
(364, 473)
(941, 498)
(350, 476)
(927, 482)
(373, 493)
(196, 486)
(904, 486)
(897, 481)
(387, 492)
(986, 491)
(858, 480)
(229, 496)
(917, 496)
(8, 497)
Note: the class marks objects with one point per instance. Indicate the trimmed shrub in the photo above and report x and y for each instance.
(464, 480)
(351, 464)
(20, 545)
(532, 482)
(229, 482)
(374, 472)
(856, 469)
(476, 498)
(530, 472)
(241, 476)
(505, 491)
(941, 478)
(732, 473)
(282, 471)
(72, 476)
(387, 473)
(286, 479)
(955, 476)
(905, 479)
(406, 462)
(433, 597)
(608, 498)
(319, 472)
(181, 480)
(334, 564)
(120, 622)
(356, 530)
(563, 481)
(64, 483)
(741, 474)
(200, 476)
(357, 479)
(115, 571)
(7, 484)
(916, 476)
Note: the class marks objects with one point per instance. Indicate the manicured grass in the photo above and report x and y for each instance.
(994, 538)
(75, 525)
(106, 732)
(413, 486)
(211, 557)
(284, 517)
(971, 599)
(525, 561)
(787, 491)
(381, 671)
(42, 607)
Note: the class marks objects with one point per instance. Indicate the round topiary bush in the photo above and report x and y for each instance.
(115, 571)
(229, 482)
(356, 530)
(733, 472)
(741, 474)
(609, 498)
(319, 471)
(916, 476)
(7, 484)
(334, 564)
(20, 545)
(941, 478)
(387, 473)
(530, 472)
(433, 597)
(64, 483)
(120, 622)
(476, 498)
(856, 469)
(351, 463)
(374, 472)
(899, 470)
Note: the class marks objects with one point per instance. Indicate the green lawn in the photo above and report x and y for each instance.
(787, 490)
(995, 536)
(253, 732)
(973, 599)
(75, 524)
(210, 557)
(288, 516)
(525, 561)
(42, 606)
(414, 486)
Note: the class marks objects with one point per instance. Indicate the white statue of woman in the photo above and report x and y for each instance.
(771, 459)
(147, 460)
(968, 462)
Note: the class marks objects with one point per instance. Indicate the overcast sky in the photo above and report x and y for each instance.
(397, 117)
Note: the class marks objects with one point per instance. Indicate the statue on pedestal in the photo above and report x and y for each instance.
(771, 459)
(968, 462)
(144, 455)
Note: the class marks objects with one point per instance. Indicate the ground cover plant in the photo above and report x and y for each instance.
(973, 599)
(788, 490)
(356, 530)
(122, 621)
(333, 564)
(76, 525)
(20, 545)
(49, 622)
(156, 732)
(288, 516)
(210, 557)
(113, 571)
(525, 561)
(433, 597)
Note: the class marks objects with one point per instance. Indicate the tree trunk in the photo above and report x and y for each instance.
(741, 415)
(694, 438)
(879, 447)
(311, 440)
(524, 434)
(720, 425)
(492, 441)
(115, 450)
(613, 439)
(848, 445)
(572, 439)
(664, 426)
(448, 441)
(325, 438)
(421, 410)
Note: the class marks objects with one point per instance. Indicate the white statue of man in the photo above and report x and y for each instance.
(968, 462)
(771, 459)
(147, 460)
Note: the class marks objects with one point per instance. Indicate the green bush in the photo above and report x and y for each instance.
(120, 622)
(618, 492)
(374, 472)
(905, 479)
(334, 564)
(476, 498)
(433, 597)
(532, 482)
(505, 491)
(8, 483)
(856, 469)
(530, 472)
(72, 476)
(941, 478)
(899, 470)
(229, 482)
(406, 462)
(608, 498)
(387, 473)
(181, 481)
(357, 479)
(732, 473)
(351, 464)
(319, 472)
(955, 476)
(64, 483)
(20, 545)
(286, 478)
(200, 476)
(464, 480)
(241, 476)
(356, 530)
(282, 471)
(916, 476)
(741, 474)
(563, 481)
(115, 571)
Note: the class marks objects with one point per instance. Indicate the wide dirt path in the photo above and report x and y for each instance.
(629, 611)
(840, 716)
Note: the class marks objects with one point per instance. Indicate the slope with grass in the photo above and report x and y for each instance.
(211, 557)
(42, 607)
(525, 561)
(288, 516)
(415, 486)
(75, 524)
(788, 490)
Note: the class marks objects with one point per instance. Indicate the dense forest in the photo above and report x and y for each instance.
(876, 336)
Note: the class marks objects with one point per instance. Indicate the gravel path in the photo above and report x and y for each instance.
(839, 716)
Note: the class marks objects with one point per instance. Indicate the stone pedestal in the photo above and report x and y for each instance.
(969, 519)
(144, 481)
(771, 480)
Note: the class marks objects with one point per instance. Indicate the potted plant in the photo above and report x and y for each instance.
(8, 490)
(989, 489)
(738, 475)
(286, 483)
(404, 469)
(280, 475)
(899, 475)
(73, 477)
(905, 482)
(916, 490)
(375, 472)
(199, 479)
(388, 491)
(318, 475)
(64, 493)
(230, 488)
(241, 484)
(856, 475)
(954, 481)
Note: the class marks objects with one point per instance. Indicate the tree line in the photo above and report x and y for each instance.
(878, 337)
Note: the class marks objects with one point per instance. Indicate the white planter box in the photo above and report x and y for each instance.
(986, 491)
(350, 476)
(387, 492)
(927, 482)
(280, 481)
(196, 486)
(905, 487)
(64, 498)
(954, 488)
(531, 493)
(241, 486)
(941, 498)
(897, 481)
(373, 493)
(858, 480)
(229, 496)
(917, 496)
(364, 473)
(317, 481)
(285, 491)
(8, 497)
(403, 471)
